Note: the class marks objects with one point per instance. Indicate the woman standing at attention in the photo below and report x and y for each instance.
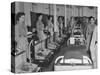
(21, 34)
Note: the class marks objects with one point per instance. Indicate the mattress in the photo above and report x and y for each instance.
(76, 52)
(75, 58)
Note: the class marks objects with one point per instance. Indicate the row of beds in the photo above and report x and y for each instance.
(38, 58)
(75, 57)
(44, 57)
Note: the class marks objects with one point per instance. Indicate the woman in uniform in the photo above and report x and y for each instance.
(60, 26)
(21, 39)
(89, 32)
(40, 29)
(72, 23)
(50, 28)
(21, 33)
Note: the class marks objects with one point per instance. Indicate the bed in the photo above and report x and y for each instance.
(75, 58)
(76, 38)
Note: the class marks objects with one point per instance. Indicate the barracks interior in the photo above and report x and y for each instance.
(53, 37)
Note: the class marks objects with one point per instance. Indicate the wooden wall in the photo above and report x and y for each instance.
(48, 9)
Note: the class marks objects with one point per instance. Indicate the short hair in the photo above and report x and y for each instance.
(91, 18)
(50, 17)
(18, 15)
(72, 17)
(60, 17)
(39, 14)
